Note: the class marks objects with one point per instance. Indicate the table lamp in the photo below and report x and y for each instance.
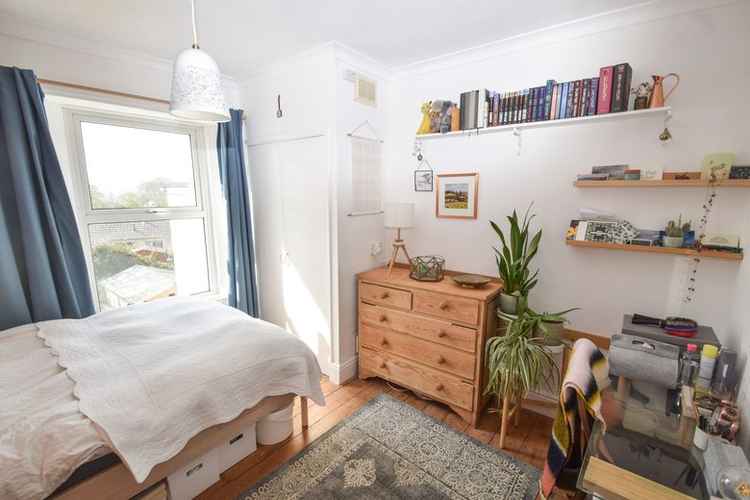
(398, 216)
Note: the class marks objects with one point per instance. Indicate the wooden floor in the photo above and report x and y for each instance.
(527, 442)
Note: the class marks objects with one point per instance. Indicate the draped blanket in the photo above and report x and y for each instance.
(154, 375)
(585, 379)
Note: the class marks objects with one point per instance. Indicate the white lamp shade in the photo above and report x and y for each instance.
(399, 215)
(196, 88)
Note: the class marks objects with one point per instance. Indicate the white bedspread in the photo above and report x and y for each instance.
(43, 436)
(150, 376)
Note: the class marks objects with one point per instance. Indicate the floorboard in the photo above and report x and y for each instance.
(527, 441)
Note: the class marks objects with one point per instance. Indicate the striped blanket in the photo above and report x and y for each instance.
(587, 375)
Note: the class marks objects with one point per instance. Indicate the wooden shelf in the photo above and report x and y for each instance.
(666, 110)
(739, 183)
(688, 252)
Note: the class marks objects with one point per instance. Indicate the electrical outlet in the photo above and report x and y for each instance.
(376, 248)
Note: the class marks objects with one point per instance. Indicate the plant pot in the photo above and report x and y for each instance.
(673, 241)
(508, 303)
(555, 329)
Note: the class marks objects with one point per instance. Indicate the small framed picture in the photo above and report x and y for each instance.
(456, 196)
(717, 166)
(423, 180)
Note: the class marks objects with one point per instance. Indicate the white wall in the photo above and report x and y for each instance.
(356, 234)
(707, 48)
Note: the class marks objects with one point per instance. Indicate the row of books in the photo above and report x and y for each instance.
(607, 93)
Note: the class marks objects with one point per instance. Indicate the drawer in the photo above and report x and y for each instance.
(435, 355)
(434, 330)
(186, 483)
(385, 296)
(447, 306)
(236, 448)
(434, 383)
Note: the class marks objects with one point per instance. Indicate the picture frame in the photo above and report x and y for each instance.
(456, 196)
(717, 166)
(424, 181)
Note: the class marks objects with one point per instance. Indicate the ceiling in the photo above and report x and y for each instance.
(242, 34)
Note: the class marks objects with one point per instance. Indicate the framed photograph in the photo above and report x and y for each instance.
(717, 166)
(456, 196)
(423, 180)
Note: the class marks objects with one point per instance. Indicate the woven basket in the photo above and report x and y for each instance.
(427, 268)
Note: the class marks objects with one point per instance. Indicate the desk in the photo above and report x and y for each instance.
(644, 454)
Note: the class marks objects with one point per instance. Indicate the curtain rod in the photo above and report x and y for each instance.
(98, 90)
(77, 86)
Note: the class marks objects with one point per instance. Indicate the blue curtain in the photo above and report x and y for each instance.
(243, 287)
(42, 268)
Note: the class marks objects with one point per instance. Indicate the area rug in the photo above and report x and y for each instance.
(389, 449)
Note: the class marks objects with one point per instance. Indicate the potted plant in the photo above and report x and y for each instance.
(513, 260)
(674, 233)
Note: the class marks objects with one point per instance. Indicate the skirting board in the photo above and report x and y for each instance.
(343, 372)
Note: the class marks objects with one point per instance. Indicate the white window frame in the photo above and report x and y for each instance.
(87, 215)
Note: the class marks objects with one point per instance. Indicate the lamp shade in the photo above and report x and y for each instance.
(399, 215)
(196, 88)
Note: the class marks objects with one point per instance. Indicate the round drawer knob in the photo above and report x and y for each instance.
(440, 360)
(439, 387)
(385, 295)
(383, 318)
(444, 305)
(441, 333)
(383, 365)
(384, 342)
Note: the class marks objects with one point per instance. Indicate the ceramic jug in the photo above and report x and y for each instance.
(658, 98)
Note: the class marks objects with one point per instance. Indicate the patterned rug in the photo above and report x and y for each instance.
(391, 450)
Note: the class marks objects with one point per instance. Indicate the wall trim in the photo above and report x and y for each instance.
(15, 27)
(343, 372)
(636, 14)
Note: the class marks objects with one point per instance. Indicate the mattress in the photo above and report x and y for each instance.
(43, 435)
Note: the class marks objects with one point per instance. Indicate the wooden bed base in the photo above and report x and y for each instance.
(117, 483)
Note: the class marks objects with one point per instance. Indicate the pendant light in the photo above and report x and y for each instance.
(196, 85)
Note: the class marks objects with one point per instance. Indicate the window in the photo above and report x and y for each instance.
(143, 207)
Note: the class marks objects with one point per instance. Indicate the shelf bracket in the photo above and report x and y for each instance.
(517, 134)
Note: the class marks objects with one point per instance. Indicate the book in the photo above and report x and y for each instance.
(553, 108)
(541, 103)
(585, 97)
(464, 102)
(516, 107)
(615, 172)
(594, 95)
(504, 114)
(548, 99)
(569, 103)
(524, 106)
(563, 99)
(576, 99)
(592, 177)
(604, 101)
(621, 80)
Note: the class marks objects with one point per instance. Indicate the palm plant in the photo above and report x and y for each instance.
(518, 249)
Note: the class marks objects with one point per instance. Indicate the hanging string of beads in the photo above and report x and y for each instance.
(708, 205)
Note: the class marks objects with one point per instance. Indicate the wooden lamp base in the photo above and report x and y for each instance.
(398, 245)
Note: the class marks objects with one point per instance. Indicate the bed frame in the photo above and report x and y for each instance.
(117, 483)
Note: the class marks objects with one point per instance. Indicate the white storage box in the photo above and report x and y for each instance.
(276, 427)
(195, 477)
(237, 448)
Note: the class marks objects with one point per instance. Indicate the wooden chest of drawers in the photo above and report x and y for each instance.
(428, 337)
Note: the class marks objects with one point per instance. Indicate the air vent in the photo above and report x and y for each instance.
(365, 91)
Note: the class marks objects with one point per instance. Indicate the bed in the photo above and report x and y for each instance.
(156, 384)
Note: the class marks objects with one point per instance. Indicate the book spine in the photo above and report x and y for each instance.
(524, 106)
(496, 107)
(621, 87)
(535, 106)
(503, 108)
(553, 104)
(548, 99)
(462, 112)
(594, 95)
(604, 100)
(518, 107)
(585, 97)
(569, 105)
(562, 99)
(574, 104)
(542, 99)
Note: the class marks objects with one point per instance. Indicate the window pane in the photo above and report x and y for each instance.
(147, 260)
(137, 168)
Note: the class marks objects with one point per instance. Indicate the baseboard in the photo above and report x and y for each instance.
(343, 372)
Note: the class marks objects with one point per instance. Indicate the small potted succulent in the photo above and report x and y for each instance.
(674, 233)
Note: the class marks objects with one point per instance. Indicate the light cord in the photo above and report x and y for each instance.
(195, 29)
